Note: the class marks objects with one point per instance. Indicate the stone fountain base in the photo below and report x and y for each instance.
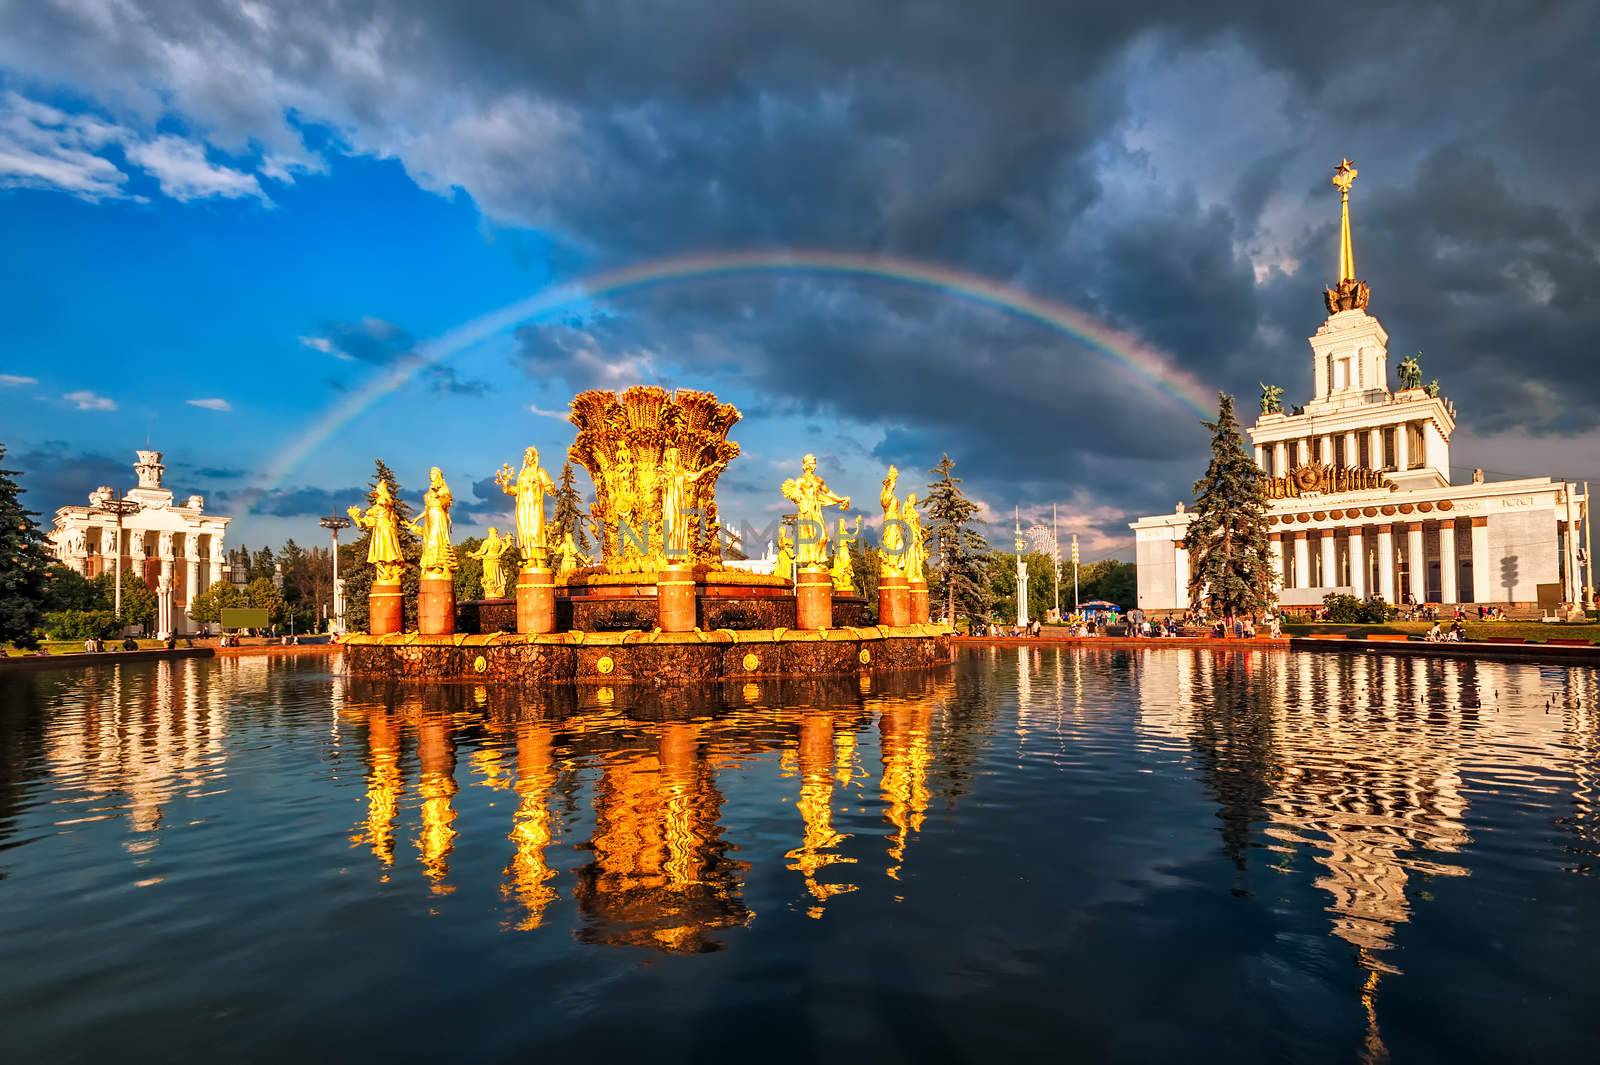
(648, 658)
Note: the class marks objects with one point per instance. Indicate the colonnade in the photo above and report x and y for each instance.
(1383, 452)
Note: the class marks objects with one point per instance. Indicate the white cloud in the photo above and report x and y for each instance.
(12, 380)
(85, 400)
(326, 346)
(185, 174)
(211, 404)
(45, 148)
(558, 415)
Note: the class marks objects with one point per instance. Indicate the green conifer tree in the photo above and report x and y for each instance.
(357, 574)
(568, 517)
(957, 574)
(24, 565)
(1229, 548)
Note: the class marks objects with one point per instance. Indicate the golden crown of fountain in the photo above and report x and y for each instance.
(628, 443)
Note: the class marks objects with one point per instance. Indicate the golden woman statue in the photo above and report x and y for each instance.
(810, 494)
(675, 482)
(490, 553)
(438, 557)
(571, 557)
(844, 572)
(915, 553)
(784, 566)
(383, 552)
(891, 552)
(528, 486)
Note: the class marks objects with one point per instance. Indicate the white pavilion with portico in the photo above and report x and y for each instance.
(1360, 496)
(177, 549)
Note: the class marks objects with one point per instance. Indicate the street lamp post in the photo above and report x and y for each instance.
(333, 523)
(1075, 573)
(120, 506)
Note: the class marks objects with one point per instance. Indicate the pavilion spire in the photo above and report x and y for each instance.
(1349, 293)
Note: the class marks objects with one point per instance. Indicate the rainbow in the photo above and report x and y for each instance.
(1148, 364)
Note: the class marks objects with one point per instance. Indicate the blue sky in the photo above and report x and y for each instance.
(218, 218)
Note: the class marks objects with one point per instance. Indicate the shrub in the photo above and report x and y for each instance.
(1348, 610)
(80, 624)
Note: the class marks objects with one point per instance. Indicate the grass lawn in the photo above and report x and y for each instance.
(1476, 630)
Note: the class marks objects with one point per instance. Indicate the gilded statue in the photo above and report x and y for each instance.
(810, 494)
(914, 556)
(528, 486)
(892, 551)
(490, 553)
(676, 480)
(438, 556)
(843, 573)
(571, 557)
(784, 566)
(1317, 479)
(1271, 399)
(383, 550)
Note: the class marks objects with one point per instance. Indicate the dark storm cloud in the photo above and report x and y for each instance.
(55, 474)
(1144, 163)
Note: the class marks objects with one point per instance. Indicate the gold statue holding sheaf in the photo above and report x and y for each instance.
(438, 556)
(810, 493)
(844, 572)
(784, 566)
(490, 552)
(891, 552)
(914, 556)
(676, 484)
(528, 486)
(383, 550)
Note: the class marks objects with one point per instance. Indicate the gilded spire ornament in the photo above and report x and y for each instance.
(1350, 293)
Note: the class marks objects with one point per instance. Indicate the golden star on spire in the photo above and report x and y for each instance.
(1344, 175)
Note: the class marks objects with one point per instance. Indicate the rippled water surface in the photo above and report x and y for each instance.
(1034, 854)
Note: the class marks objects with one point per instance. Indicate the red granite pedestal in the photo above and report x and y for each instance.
(813, 600)
(386, 609)
(894, 600)
(536, 601)
(436, 606)
(675, 599)
(919, 601)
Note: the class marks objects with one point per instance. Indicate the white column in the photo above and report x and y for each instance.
(1330, 559)
(216, 557)
(1277, 557)
(1358, 564)
(1325, 450)
(1482, 579)
(1386, 562)
(1375, 448)
(1261, 456)
(1180, 574)
(191, 579)
(164, 599)
(1302, 561)
(1352, 449)
(1416, 555)
(1402, 448)
(1447, 562)
(1280, 460)
(1302, 452)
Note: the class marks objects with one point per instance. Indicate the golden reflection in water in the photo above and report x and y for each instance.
(527, 875)
(903, 738)
(384, 786)
(818, 761)
(436, 754)
(660, 875)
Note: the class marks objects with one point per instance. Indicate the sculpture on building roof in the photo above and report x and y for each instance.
(1411, 371)
(1271, 399)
